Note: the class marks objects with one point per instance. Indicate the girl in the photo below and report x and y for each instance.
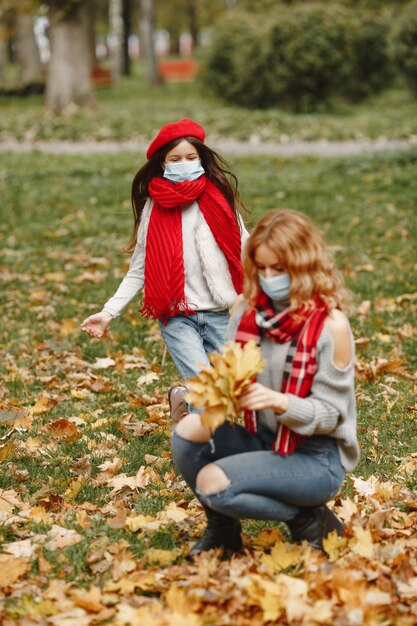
(299, 438)
(186, 244)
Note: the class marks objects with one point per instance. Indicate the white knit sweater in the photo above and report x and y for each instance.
(208, 284)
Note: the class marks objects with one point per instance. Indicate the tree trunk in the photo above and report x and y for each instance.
(127, 22)
(69, 77)
(91, 31)
(147, 15)
(116, 38)
(2, 53)
(27, 51)
(192, 20)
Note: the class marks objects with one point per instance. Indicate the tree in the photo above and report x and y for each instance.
(178, 16)
(91, 31)
(69, 76)
(116, 33)
(146, 27)
(2, 52)
(27, 49)
(127, 20)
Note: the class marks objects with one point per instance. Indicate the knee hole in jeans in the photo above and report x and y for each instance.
(212, 480)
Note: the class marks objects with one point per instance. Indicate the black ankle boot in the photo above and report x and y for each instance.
(221, 532)
(313, 524)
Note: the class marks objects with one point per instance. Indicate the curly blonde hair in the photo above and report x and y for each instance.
(303, 254)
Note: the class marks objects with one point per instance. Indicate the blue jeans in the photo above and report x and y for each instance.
(263, 485)
(190, 339)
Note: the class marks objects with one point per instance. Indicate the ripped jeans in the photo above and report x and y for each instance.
(263, 485)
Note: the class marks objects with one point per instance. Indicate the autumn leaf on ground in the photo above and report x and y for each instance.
(362, 543)
(162, 557)
(60, 537)
(103, 363)
(63, 429)
(218, 387)
(333, 545)
(12, 568)
(283, 555)
(42, 405)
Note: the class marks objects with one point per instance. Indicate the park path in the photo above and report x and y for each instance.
(224, 146)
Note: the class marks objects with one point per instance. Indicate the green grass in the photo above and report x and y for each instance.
(63, 216)
(132, 109)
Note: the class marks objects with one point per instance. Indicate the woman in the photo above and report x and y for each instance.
(299, 438)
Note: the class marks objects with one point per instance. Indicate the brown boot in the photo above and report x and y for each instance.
(177, 406)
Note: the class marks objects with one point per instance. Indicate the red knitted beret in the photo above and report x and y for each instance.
(175, 130)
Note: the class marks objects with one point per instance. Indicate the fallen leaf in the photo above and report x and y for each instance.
(157, 556)
(63, 429)
(42, 405)
(283, 555)
(12, 568)
(89, 600)
(24, 548)
(103, 363)
(362, 543)
(60, 537)
(147, 379)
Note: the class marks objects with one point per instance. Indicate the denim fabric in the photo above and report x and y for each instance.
(264, 485)
(190, 339)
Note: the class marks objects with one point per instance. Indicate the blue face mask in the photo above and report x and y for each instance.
(180, 171)
(276, 287)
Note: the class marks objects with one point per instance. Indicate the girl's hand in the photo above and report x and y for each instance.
(259, 397)
(97, 324)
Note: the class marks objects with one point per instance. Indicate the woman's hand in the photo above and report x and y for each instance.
(97, 324)
(259, 397)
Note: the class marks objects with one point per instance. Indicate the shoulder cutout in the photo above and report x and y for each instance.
(338, 325)
(236, 304)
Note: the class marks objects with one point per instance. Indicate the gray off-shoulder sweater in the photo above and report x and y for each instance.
(330, 409)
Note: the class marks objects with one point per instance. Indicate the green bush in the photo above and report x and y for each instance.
(298, 57)
(370, 63)
(232, 64)
(307, 54)
(405, 43)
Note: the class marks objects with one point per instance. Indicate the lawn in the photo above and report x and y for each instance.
(95, 521)
(133, 110)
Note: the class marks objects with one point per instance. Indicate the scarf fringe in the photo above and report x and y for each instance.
(152, 311)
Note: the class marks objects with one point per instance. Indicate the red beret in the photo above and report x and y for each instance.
(175, 130)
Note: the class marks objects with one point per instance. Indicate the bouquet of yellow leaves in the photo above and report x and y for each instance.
(219, 386)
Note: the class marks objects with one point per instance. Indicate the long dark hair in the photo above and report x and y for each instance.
(216, 169)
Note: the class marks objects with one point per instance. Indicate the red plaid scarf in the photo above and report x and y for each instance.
(164, 260)
(302, 328)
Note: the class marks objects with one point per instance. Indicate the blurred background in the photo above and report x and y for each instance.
(253, 70)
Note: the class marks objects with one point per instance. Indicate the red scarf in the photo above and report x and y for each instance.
(302, 328)
(164, 260)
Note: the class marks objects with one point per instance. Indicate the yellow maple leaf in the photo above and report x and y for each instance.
(214, 416)
(268, 537)
(89, 600)
(42, 405)
(271, 606)
(283, 555)
(158, 556)
(12, 568)
(333, 545)
(218, 387)
(179, 601)
(362, 543)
